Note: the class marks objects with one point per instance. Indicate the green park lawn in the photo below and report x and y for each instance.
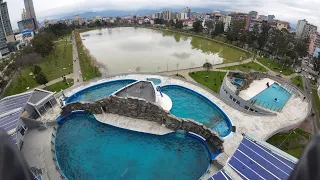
(292, 142)
(297, 81)
(89, 71)
(246, 67)
(57, 87)
(54, 66)
(316, 98)
(210, 79)
(275, 66)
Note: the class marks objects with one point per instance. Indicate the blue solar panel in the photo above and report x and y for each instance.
(9, 121)
(220, 176)
(14, 138)
(14, 102)
(252, 161)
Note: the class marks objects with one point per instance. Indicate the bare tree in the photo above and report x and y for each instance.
(28, 60)
(138, 69)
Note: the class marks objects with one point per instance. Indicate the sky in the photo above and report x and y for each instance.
(286, 10)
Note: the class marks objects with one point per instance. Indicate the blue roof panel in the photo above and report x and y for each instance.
(9, 121)
(253, 161)
(14, 102)
(220, 176)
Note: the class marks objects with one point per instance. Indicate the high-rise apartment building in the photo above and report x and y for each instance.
(305, 29)
(5, 27)
(187, 11)
(23, 14)
(253, 14)
(30, 14)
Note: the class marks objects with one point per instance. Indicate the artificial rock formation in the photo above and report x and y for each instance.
(141, 109)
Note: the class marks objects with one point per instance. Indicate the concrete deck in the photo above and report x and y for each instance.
(132, 124)
(255, 88)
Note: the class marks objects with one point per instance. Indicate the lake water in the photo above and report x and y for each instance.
(130, 49)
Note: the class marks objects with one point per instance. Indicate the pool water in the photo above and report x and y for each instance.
(188, 104)
(266, 98)
(238, 81)
(154, 80)
(88, 149)
(99, 91)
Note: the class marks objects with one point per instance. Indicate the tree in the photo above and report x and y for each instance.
(179, 24)
(118, 19)
(235, 30)
(36, 69)
(207, 66)
(28, 60)
(158, 21)
(197, 26)
(316, 63)
(219, 29)
(43, 44)
(210, 26)
(98, 23)
(41, 79)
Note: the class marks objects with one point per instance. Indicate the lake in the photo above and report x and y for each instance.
(129, 49)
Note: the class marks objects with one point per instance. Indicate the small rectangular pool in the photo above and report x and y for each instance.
(274, 98)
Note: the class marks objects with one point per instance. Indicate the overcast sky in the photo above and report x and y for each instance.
(288, 10)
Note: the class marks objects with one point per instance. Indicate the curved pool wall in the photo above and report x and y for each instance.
(203, 121)
(160, 172)
(101, 90)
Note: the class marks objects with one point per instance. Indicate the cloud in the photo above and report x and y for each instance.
(287, 10)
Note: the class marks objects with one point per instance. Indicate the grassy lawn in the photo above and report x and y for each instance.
(56, 65)
(60, 43)
(275, 66)
(60, 86)
(297, 81)
(89, 71)
(316, 98)
(246, 67)
(210, 79)
(295, 141)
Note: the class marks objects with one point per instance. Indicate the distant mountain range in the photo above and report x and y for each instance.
(141, 12)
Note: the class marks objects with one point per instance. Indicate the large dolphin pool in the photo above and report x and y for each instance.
(99, 91)
(187, 103)
(88, 149)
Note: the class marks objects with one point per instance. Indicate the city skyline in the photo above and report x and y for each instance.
(284, 10)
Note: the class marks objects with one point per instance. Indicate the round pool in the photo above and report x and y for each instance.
(99, 91)
(88, 149)
(187, 103)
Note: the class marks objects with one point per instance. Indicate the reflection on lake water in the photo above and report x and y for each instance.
(126, 49)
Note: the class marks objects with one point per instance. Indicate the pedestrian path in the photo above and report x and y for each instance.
(77, 74)
(69, 76)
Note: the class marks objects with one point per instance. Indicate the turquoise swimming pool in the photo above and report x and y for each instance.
(274, 98)
(187, 103)
(87, 149)
(155, 81)
(99, 91)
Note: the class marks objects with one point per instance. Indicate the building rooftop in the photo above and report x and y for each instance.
(141, 89)
(39, 95)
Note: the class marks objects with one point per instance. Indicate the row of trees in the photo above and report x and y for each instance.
(42, 45)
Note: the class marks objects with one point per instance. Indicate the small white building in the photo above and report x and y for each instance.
(19, 112)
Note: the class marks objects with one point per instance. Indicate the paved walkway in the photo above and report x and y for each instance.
(69, 76)
(77, 75)
(185, 72)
